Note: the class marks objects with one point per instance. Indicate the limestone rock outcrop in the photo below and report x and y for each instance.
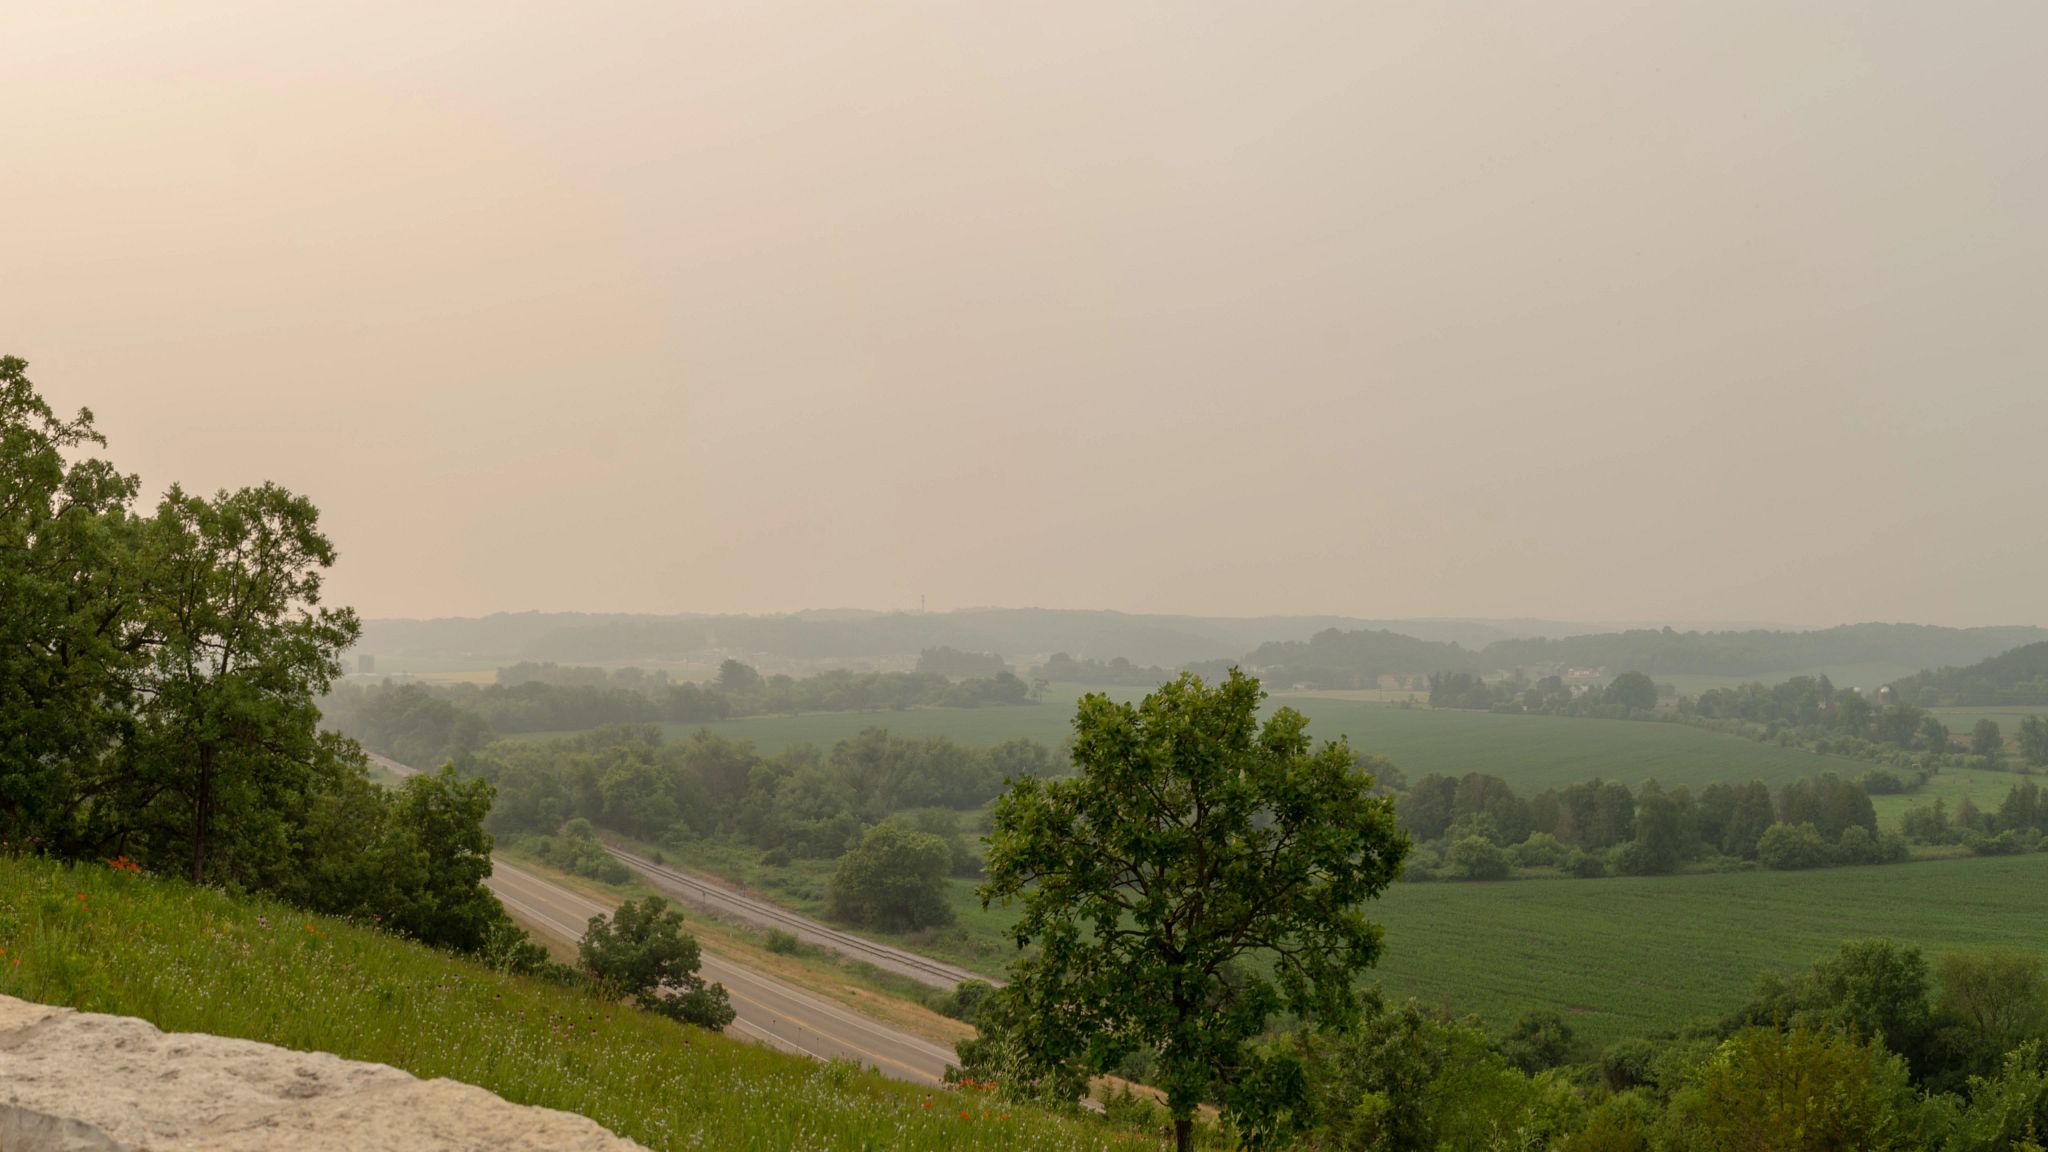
(83, 1082)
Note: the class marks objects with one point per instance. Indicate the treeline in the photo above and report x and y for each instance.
(1810, 712)
(1334, 659)
(1476, 827)
(1759, 652)
(891, 803)
(158, 670)
(2019, 824)
(419, 723)
(1358, 659)
(1630, 695)
(2016, 677)
(1067, 669)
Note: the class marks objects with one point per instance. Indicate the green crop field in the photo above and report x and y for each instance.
(1537, 752)
(1530, 752)
(1620, 957)
(1868, 677)
(193, 959)
(1984, 789)
(1960, 720)
(1625, 956)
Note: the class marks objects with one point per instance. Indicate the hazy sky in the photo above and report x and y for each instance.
(1599, 311)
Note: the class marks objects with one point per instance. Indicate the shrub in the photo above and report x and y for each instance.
(1540, 850)
(783, 943)
(1788, 847)
(641, 953)
(1477, 858)
(965, 1000)
(2003, 844)
(1585, 865)
(896, 879)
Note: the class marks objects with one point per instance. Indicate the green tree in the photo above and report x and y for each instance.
(1633, 691)
(1807, 1090)
(2034, 740)
(641, 953)
(1853, 713)
(1986, 738)
(1538, 1039)
(1407, 1078)
(1193, 840)
(1989, 1003)
(69, 647)
(226, 736)
(895, 879)
(1934, 735)
(1787, 847)
(1478, 858)
(1660, 832)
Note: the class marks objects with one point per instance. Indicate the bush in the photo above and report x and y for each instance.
(896, 879)
(2003, 844)
(1628, 859)
(641, 953)
(1540, 850)
(1585, 865)
(1477, 858)
(578, 852)
(1789, 847)
(965, 1000)
(783, 943)
(1628, 1063)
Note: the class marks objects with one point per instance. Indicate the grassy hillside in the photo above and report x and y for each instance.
(192, 959)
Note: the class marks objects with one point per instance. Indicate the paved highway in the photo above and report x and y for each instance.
(767, 1010)
(716, 897)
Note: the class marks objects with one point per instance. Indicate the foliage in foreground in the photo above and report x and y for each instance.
(1194, 842)
(191, 959)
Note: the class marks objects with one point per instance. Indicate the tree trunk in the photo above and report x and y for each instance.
(1183, 1133)
(201, 803)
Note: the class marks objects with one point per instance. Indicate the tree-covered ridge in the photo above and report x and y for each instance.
(2016, 677)
(1761, 652)
(1333, 659)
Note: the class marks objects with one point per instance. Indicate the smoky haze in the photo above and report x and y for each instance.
(1584, 311)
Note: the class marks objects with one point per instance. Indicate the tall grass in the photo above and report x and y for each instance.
(192, 959)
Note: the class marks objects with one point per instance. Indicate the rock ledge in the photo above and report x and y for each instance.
(83, 1082)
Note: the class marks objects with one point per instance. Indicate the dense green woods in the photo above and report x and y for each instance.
(158, 671)
(422, 723)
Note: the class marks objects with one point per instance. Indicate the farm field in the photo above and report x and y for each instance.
(1530, 752)
(1622, 957)
(1619, 957)
(1868, 677)
(1960, 719)
(1984, 789)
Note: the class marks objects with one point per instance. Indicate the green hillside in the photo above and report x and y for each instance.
(192, 959)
